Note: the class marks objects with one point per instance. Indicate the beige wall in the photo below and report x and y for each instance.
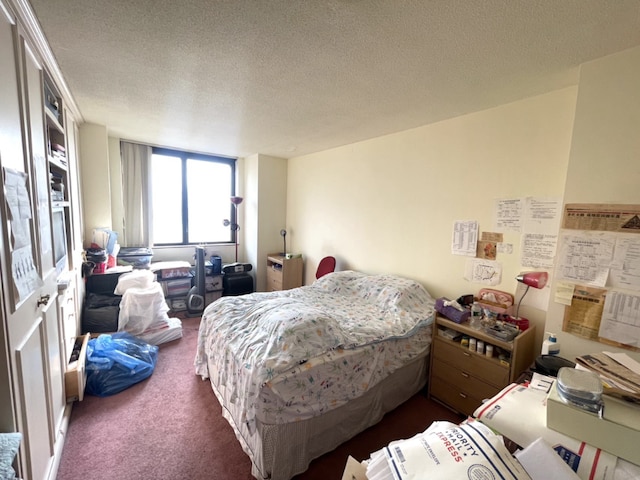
(117, 199)
(604, 164)
(389, 204)
(265, 211)
(96, 193)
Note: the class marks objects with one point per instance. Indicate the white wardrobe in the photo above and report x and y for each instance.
(40, 244)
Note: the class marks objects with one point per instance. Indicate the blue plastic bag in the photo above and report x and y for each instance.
(117, 361)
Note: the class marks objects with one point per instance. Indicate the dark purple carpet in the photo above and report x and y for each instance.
(170, 426)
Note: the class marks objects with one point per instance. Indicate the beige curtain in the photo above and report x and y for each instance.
(137, 194)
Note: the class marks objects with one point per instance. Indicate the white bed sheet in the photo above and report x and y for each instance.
(299, 372)
(287, 356)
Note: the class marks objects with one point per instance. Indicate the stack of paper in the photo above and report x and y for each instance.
(619, 373)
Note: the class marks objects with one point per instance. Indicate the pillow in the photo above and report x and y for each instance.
(9, 444)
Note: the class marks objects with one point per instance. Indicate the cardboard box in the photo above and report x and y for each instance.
(617, 432)
(75, 376)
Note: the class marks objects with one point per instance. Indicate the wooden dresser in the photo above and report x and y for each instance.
(283, 273)
(461, 379)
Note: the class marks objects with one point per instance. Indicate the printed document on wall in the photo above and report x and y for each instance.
(583, 317)
(625, 269)
(540, 232)
(538, 250)
(621, 318)
(508, 214)
(542, 215)
(486, 272)
(586, 258)
(26, 278)
(465, 238)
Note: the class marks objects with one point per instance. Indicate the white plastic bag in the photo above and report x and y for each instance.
(134, 279)
(142, 308)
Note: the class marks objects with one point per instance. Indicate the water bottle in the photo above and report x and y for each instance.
(476, 316)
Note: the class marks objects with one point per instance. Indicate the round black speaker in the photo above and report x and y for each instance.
(550, 364)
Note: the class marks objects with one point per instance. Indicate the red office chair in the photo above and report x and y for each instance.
(326, 265)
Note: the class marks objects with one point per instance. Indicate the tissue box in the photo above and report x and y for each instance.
(617, 432)
(451, 313)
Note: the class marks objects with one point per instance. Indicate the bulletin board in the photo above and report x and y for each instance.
(599, 256)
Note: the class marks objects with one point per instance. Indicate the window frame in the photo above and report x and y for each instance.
(184, 156)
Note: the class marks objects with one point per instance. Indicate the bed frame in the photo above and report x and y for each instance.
(281, 451)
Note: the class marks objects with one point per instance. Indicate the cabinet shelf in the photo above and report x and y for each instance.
(461, 378)
(480, 356)
(465, 329)
(53, 121)
(55, 163)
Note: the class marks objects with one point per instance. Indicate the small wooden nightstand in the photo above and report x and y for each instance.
(283, 273)
(461, 379)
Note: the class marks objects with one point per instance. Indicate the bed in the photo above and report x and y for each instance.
(300, 371)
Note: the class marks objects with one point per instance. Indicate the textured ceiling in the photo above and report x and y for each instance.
(290, 77)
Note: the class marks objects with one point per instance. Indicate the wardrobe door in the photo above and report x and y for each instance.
(27, 363)
(42, 368)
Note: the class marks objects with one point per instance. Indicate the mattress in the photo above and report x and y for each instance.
(281, 360)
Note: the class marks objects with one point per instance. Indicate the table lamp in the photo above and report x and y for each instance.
(233, 223)
(283, 233)
(531, 279)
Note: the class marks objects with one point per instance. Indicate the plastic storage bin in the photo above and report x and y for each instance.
(138, 257)
(98, 256)
(580, 388)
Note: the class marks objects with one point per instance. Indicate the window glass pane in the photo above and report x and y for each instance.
(166, 177)
(208, 193)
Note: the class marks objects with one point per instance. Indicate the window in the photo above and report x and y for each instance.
(191, 197)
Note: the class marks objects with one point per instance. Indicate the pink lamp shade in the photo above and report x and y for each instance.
(236, 200)
(534, 279)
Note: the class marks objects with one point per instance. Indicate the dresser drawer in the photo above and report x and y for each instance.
(453, 396)
(479, 366)
(466, 382)
(274, 279)
(75, 376)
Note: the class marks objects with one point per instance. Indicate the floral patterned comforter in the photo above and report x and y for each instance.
(269, 342)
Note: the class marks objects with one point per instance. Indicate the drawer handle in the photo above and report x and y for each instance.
(462, 395)
(43, 300)
(464, 374)
(466, 354)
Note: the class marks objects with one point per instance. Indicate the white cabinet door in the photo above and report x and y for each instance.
(55, 364)
(33, 398)
(28, 365)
